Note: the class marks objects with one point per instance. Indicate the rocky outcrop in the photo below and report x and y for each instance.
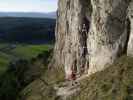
(90, 34)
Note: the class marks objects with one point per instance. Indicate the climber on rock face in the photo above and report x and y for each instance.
(83, 48)
(84, 33)
(73, 75)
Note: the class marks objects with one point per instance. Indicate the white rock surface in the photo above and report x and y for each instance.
(71, 48)
(91, 34)
(108, 34)
(130, 43)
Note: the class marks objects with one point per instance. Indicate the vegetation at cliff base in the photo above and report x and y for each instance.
(43, 87)
(20, 73)
(113, 83)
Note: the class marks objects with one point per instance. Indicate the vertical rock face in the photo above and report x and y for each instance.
(71, 34)
(130, 43)
(108, 34)
(90, 31)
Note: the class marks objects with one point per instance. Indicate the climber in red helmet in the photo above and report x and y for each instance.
(73, 75)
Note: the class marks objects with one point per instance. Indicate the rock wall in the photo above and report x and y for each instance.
(90, 34)
(108, 34)
(130, 43)
(71, 34)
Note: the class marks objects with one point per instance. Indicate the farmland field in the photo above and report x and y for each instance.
(11, 52)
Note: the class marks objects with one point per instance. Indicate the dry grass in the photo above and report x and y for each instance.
(114, 83)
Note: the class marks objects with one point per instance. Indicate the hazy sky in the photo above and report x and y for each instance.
(28, 5)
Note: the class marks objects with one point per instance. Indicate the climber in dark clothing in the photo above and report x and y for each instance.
(84, 36)
(85, 30)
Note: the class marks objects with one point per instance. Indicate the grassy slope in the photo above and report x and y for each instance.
(114, 83)
(43, 88)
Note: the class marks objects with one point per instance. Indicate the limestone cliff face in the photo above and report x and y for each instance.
(130, 43)
(91, 34)
(108, 33)
(71, 35)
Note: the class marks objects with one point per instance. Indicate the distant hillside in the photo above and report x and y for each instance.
(31, 30)
(28, 14)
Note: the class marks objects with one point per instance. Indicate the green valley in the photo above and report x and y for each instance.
(9, 53)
